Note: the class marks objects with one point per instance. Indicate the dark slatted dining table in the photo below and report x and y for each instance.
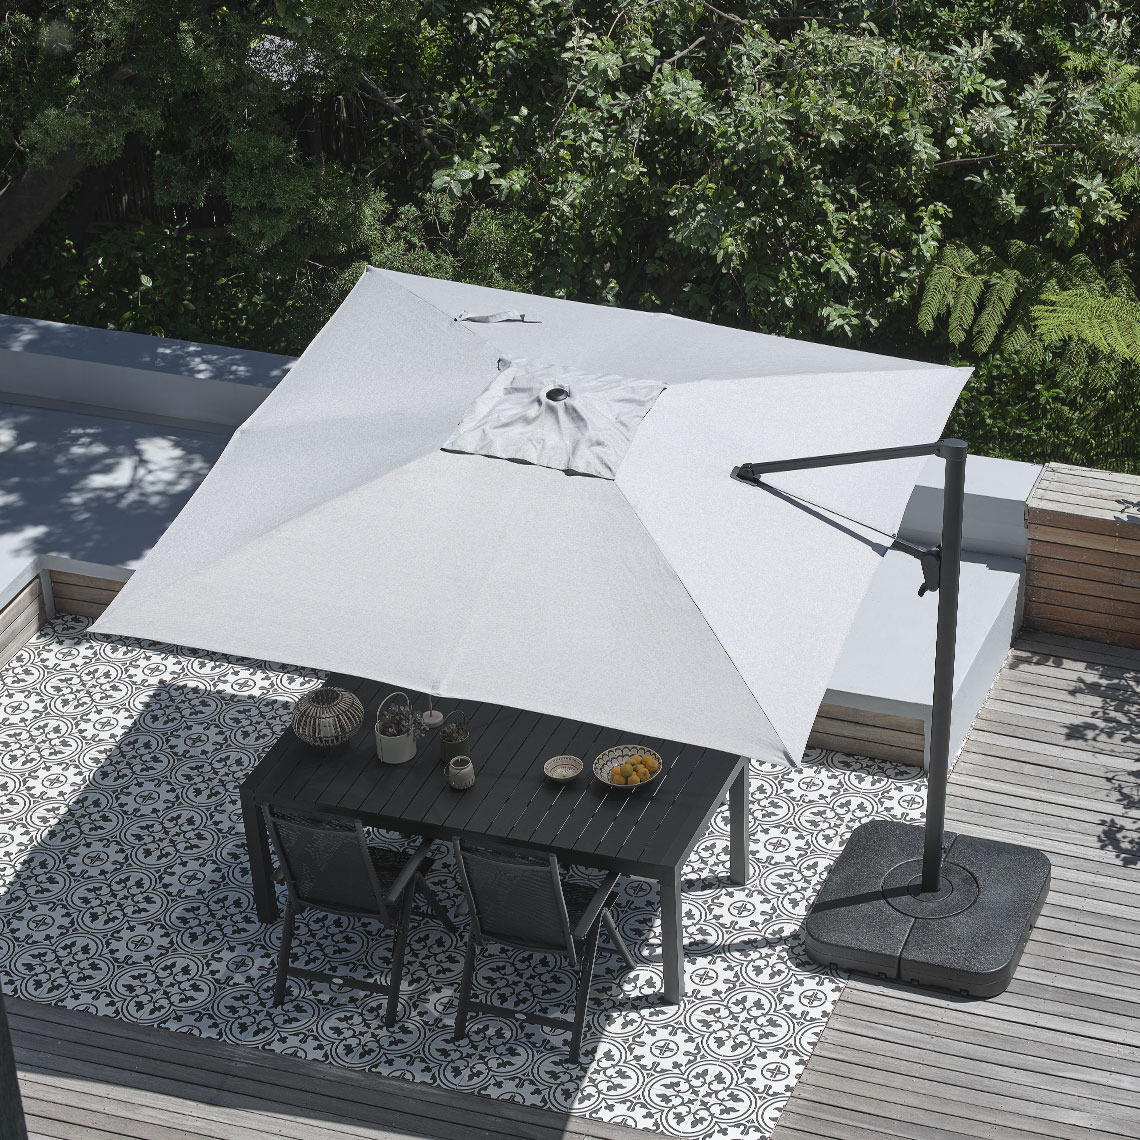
(647, 832)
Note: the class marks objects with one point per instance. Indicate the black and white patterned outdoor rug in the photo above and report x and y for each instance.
(124, 891)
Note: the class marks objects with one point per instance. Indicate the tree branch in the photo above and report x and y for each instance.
(964, 161)
(28, 200)
(393, 108)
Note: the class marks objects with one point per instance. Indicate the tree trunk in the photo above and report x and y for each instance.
(29, 198)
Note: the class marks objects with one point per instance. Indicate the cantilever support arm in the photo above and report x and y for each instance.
(941, 564)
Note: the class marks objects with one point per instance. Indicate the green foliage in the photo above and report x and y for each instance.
(171, 281)
(1107, 326)
(167, 281)
(1073, 331)
(931, 180)
(1031, 301)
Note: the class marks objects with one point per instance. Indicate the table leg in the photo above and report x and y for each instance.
(738, 827)
(672, 938)
(260, 863)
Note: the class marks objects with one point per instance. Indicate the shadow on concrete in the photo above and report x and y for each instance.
(85, 487)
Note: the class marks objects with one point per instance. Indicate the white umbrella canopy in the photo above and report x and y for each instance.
(418, 503)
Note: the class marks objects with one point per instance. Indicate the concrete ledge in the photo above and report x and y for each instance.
(99, 371)
(996, 493)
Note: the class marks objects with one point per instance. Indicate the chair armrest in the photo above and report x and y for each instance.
(415, 861)
(601, 897)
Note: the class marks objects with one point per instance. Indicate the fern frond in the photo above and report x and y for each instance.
(1108, 325)
(1081, 274)
(937, 295)
(991, 317)
(963, 307)
(1018, 341)
(1118, 281)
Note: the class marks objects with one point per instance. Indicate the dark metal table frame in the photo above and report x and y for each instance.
(647, 833)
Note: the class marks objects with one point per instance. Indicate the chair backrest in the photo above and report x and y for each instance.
(326, 863)
(515, 899)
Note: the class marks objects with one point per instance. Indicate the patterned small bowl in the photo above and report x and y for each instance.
(615, 757)
(563, 768)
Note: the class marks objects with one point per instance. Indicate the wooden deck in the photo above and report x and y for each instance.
(95, 1078)
(1053, 761)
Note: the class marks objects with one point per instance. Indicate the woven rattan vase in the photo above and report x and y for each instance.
(327, 716)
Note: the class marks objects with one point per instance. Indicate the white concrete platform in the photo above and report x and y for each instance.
(887, 666)
(105, 372)
(882, 689)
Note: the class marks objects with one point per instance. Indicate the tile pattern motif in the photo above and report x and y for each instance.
(124, 891)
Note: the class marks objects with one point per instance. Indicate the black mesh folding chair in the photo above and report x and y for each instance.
(518, 900)
(327, 865)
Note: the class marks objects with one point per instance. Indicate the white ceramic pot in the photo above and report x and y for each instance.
(395, 749)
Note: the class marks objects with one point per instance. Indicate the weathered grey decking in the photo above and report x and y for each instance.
(1053, 761)
(96, 1078)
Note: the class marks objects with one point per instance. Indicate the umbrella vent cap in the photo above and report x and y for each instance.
(556, 416)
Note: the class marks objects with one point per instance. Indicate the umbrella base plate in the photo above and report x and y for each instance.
(870, 916)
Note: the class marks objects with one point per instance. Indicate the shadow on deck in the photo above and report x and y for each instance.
(1053, 761)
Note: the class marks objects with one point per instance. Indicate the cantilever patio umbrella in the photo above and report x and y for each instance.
(492, 496)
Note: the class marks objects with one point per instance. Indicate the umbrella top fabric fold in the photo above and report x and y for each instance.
(537, 511)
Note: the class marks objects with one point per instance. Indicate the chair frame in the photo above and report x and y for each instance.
(581, 947)
(393, 909)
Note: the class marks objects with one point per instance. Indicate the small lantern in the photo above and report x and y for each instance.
(460, 773)
(327, 716)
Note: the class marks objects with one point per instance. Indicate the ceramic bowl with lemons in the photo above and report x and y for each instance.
(628, 766)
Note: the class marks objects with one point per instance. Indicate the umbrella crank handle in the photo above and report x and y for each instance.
(929, 558)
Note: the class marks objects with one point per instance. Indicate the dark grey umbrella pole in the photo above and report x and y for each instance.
(942, 567)
(12, 1126)
(893, 903)
(953, 451)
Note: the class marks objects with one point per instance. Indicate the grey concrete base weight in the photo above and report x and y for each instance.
(870, 917)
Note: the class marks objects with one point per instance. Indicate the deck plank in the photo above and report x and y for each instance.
(96, 1078)
(1053, 760)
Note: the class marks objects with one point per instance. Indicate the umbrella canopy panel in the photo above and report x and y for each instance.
(653, 594)
(604, 338)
